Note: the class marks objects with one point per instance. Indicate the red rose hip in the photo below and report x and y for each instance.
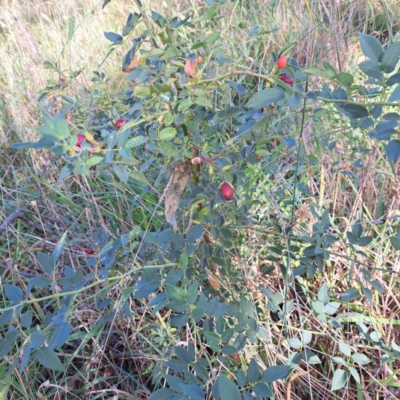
(226, 190)
(120, 122)
(282, 62)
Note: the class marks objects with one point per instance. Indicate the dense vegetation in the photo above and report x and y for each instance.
(202, 205)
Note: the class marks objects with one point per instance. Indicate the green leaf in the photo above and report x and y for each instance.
(203, 101)
(295, 343)
(352, 238)
(226, 389)
(113, 37)
(37, 281)
(345, 78)
(59, 247)
(391, 58)
(318, 306)
(393, 79)
(364, 241)
(253, 372)
(136, 141)
(212, 38)
(183, 260)
(361, 359)
(121, 172)
(354, 374)
(262, 390)
(139, 176)
(339, 360)
(167, 134)
(324, 73)
(153, 53)
(332, 307)
(66, 171)
(183, 355)
(13, 293)
(195, 233)
(367, 293)
(241, 378)
(168, 149)
(49, 359)
(179, 320)
(393, 151)
(193, 292)
(238, 88)
(275, 372)
(350, 294)
(310, 357)
(371, 47)
(377, 286)
(229, 350)
(62, 334)
(176, 365)
(193, 391)
(323, 293)
(94, 160)
(371, 68)
(46, 262)
(355, 110)
(143, 91)
(162, 394)
(339, 379)
(395, 95)
(395, 240)
(58, 131)
(345, 349)
(184, 105)
(105, 3)
(50, 65)
(265, 97)
(21, 145)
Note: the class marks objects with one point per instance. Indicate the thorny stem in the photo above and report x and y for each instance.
(146, 21)
(267, 78)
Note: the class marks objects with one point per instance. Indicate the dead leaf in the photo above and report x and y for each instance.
(178, 181)
(132, 65)
(190, 67)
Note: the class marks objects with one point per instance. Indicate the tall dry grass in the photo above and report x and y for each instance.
(70, 35)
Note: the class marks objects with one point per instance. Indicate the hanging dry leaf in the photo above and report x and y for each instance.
(212, 279)
(180, 178)
(132, 65)
(190, 67)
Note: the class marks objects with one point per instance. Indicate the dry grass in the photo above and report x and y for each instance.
(35, 31)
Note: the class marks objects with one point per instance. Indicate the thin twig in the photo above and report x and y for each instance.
(10, 219)
(19, 214)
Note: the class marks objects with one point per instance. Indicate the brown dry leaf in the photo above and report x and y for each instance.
(212, 279)
(132, 65)
(303, 212)
(180, 178)
(190, 67)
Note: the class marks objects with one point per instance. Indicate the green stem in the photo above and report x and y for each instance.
(147, 22)
(267, 78)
